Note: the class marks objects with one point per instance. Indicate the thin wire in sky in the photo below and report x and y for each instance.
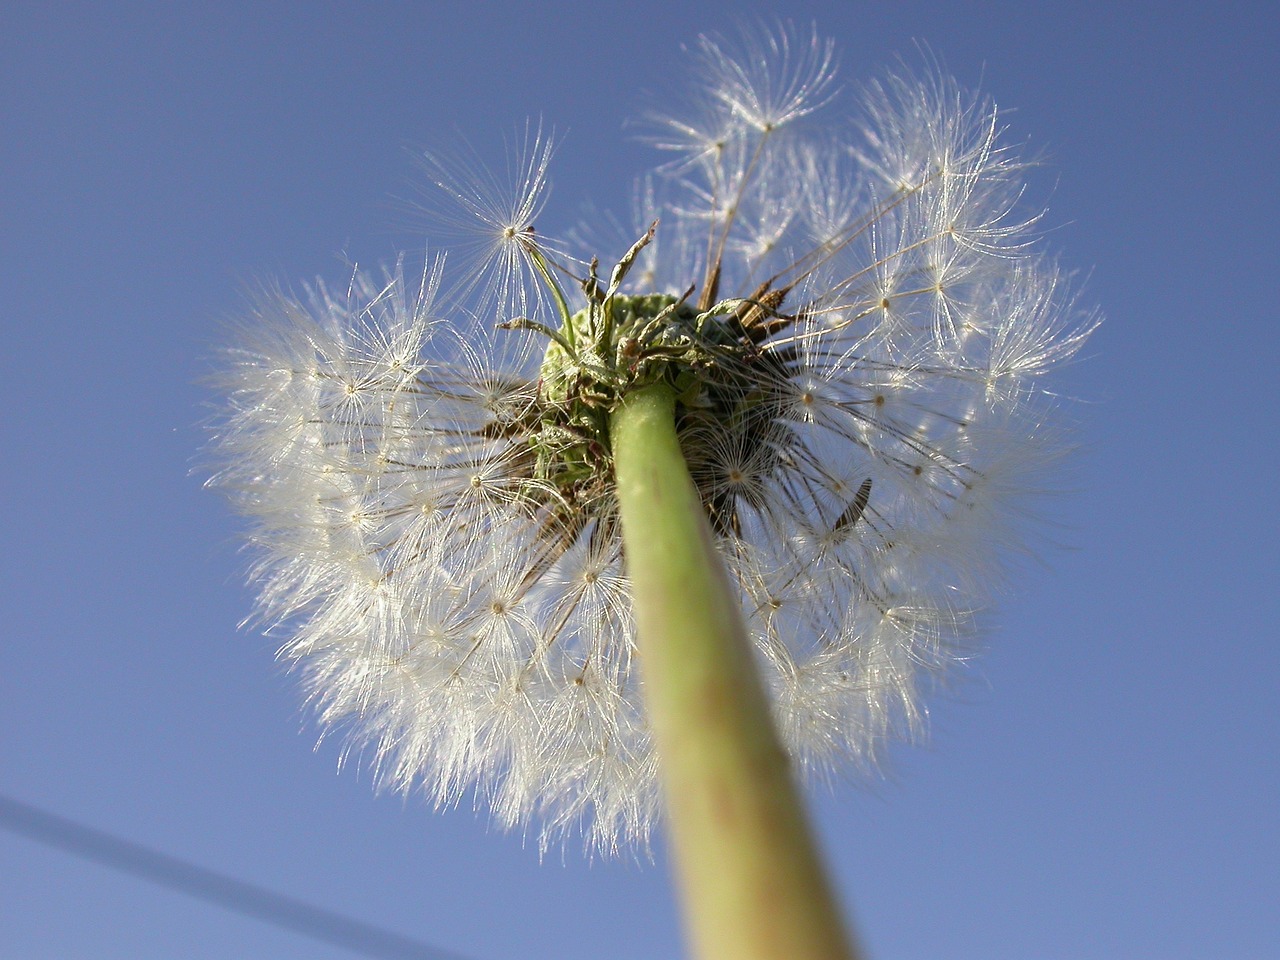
(212, 887)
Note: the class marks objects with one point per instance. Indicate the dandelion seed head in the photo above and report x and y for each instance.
(856, 318)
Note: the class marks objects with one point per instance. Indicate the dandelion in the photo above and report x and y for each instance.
(847, 318)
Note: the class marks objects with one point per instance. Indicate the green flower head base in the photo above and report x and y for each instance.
(856, 323)
(712, 358)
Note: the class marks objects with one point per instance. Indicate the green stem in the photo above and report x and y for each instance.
(751, 878)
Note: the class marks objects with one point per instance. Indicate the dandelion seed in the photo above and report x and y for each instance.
(856, 327)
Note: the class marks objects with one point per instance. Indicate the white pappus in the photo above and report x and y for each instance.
(857, 317)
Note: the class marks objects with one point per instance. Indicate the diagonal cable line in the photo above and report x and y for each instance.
(212, 887)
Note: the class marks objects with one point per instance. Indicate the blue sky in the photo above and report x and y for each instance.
(1103, 783)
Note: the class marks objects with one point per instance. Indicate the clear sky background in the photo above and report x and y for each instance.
(1104, 784)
